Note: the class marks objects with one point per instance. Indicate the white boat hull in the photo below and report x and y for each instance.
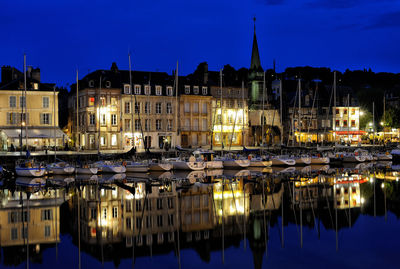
(160, 167)
(214, 165)
(259, 163)
(236, 163)
(303, 161)
(62, 170)
(280, 162)
(354, 159)
(137, 168)
(194, 166)
(30, 172)
(320, 160)
(116, 169)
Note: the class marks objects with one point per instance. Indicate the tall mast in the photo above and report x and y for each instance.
(176, 104)
(243, 113)
(22, 114)
(263, 120)
(373, 124)
(220, 87)
(100, 105)
(132, 104)
(334, 106)
(26, 107)
(299, 125)
(77, 110)
(54, 123)
(280, 108)
(348, 118)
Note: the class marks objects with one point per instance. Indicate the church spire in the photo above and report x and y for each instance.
(255, 56)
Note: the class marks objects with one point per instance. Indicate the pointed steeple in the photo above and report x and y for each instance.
(255, 56)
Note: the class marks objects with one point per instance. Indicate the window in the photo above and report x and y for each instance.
(147, 108)
(187, 107)
(353, 123)
(114, 101)
(169, 125)
(103, 119)
(204, 90)
(138, 205)
(147, 125)
(129, 224)
(158, 90)
(128, 206)
(187, 89)
(240, 103)
(92, 119)
(14, 233)
(138, 89)
(204, 108)
(91, 83)
(103, 140)
(113, 140)
(91, 101)
(13, 101)
(187, 124)
(24, 232)
(159, 221)
(158, 125)
(22, 101)
(204, 125)
(169, 91)
(345, 123)
(127, 124)
(219, 119)
(148, 222)
(93, 213)
(102, 101)
(345, 112)
(147, 89)
(195, 124)
(337, 123)
(169, 108)
(47, 214)
(137, 108)
(218, 103)
(108, 84)
(353, 111)
(114, 119)
(196, 89)
(137, 125)
(337, 111)
(45, 118)
(159, 203)
(195, 107)
(104, 213)
(115, 212)
(231, 103)
(127, 107)
(127, 89)
(46, 231)
(158, 108)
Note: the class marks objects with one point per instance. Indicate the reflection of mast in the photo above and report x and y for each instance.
(265, 227)
(79, 229)
(283, 238)
(244, 206)
(223, 234)
(179, 244)
(335, 203)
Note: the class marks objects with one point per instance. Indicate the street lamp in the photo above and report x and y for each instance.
(361, 113)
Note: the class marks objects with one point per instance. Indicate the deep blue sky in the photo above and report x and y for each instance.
(60, 36)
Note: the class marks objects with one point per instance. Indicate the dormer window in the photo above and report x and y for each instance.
(91, 83)
(147, 89)
(36, 86)
(187, 89)
(196, 89)
(158, 90)
(108, 84)
(137, 89)
(127, 89)
(204, 90)
(169, 91)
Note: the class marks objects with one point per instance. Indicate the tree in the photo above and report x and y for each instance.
(365, 119)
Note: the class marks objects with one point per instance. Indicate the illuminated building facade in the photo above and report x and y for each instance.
(230, 116)
(195, 114)
(35, 109)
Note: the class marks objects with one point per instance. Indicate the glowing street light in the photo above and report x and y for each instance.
(361, 113)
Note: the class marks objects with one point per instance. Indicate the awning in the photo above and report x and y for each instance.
(351, 132)
(46, 133)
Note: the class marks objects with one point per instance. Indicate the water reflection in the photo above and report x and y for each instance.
(125, 217)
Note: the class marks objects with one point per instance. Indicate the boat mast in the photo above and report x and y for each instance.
(100, 105)
(348, 119)
(373, 123)
(26, 107)
(220, 87)
(176, 104)
(299, 123)
(54, 123)
(22, 114)
(132, 104)
(77, 111)
(280, 108)
(334, 106)
(242, 113)
(263, 119)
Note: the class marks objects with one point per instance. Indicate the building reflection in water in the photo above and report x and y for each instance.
(127, 220)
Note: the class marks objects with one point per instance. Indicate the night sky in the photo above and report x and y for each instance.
(89, 35)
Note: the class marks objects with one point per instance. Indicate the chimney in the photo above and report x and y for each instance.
(35, 74)
(6, 74)
(205, 77)
(29, 72)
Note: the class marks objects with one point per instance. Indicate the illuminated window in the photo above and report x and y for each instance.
(147, 89)
(115, 212)
(45, 118)
(22, 101)
(114, 119)
(104, 213)
(92, 119)
(113, 140)
(13, 101)
(158, 125)
(36, 86)
(159, 220)
(91, 101)
(345, 123)
(169, 91)
(353, 111)
(337, 123)
(187, 89)
(127, 107)
(45, 102)
(353, 123)
(205, 125)
(337, 111)
(127, 89)
(240, 103)
(158, 90)
(102, 140)
(158, 108)
(102, 101)
(345, 112)
(137, 125)
(169, 108)
(137, 89)
(196, 89)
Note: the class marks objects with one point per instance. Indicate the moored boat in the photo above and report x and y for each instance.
(282, 161)
(236, 163)
(260, 162)
(137, 167)
(191, 164)
(160, 166)
(29, 168)
(109, 167)
(61, 168)
(303, 160)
